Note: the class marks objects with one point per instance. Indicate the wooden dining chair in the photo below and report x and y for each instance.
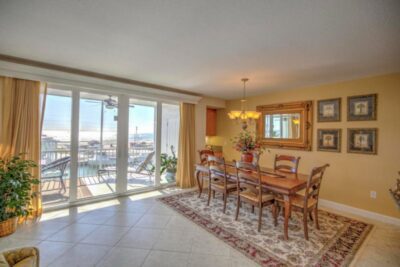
(307, 203)
(218, 180)
(204, 153)
(285, 163)
(256, 157)
(250, 190)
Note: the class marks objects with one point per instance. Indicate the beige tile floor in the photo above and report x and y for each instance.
(139, 231)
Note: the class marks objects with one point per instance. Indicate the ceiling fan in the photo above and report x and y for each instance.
(111, 103)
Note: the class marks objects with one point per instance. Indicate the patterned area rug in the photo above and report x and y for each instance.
(335, 244)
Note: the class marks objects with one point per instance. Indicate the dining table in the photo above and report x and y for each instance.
(278, 182)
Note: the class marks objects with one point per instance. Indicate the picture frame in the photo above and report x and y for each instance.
(301, 110)
(329, 110)
(362, 140)
(362, 107)
(329, 140)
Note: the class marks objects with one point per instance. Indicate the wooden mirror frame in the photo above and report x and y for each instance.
(306, 117)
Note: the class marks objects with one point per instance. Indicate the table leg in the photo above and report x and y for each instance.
(288, 207)
(199, 184)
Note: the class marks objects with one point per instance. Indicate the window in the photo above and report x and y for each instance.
(96, 144)
(141, 144)
(97, 171)
(56, 147)
(169, 142)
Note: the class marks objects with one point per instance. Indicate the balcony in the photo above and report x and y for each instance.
(96, 172)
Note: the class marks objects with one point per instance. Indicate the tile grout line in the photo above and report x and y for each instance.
(116, 243)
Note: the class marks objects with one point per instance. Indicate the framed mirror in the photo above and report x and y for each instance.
(286, 125)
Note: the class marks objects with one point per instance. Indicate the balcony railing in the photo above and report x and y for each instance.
(90, 160)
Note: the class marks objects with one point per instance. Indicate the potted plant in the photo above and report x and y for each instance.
(246, 144)
(15, 192)
(168, 165)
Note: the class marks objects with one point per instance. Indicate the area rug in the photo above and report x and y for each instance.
(335, 244)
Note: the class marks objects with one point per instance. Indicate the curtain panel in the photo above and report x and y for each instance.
(186, 148)
(22, 105)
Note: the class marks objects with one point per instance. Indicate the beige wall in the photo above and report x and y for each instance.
(351, 177)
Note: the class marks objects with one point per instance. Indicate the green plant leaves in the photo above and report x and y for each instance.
(168, 162)
(15, 186)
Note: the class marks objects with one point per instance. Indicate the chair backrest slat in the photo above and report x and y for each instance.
(314, 183)
(256, 157)
(217, 168)
(248, 176)
(282, 161)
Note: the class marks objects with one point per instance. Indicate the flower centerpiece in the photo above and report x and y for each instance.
(247, 144)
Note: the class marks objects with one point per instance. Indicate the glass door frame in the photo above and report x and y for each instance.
(158, 143)
(122, 143)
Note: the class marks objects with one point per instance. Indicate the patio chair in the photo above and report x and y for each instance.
(60, 166)
(138, 167)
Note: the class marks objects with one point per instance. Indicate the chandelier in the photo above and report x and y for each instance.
(244, 116)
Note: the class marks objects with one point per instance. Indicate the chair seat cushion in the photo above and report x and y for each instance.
(22, 257)
(27, 262)
(253, 196)
(3, 262)
(220, 184)
(298, 201)
(204, 176)
(302, 192)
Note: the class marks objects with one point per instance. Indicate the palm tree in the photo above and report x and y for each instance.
(328, 139)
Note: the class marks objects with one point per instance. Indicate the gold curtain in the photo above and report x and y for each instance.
(22, 106)
(186, 148)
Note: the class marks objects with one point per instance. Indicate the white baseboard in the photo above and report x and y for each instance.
(360, 212)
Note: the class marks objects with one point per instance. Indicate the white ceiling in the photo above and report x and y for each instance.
(206, 46)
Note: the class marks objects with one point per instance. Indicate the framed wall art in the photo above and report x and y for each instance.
(362, 140)
(362, 108)
(329, 140)
(329, 110)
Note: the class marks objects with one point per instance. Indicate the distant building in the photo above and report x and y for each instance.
(49, 143)
(49, 148)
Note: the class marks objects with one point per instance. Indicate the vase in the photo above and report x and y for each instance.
(8, 227)
(247, 157)
(170, 175)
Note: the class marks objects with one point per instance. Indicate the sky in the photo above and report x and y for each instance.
(57, 118)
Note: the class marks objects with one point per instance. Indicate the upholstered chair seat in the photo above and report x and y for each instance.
(220, 184)
(253, 196)
(20, 257)
(298, 201)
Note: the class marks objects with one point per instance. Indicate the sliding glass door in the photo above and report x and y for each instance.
(169, 142)
(56, 147)
(141, 144)
(95, 144)
(97, 156)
